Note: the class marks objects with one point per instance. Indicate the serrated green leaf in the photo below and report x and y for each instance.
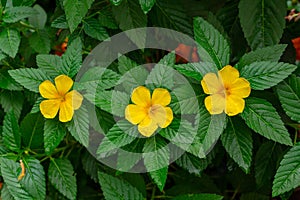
(7, 82)
(51, 64)
(196, 70)
(11, 134)
(198, 196)
(72, 58)
(156, 155)
(171, 14)
(10, 171)
(114, 188)
(288, 174)
(262, 21)
(266, 161)
(39, 20)
(40, 41)
(262, 117)
(133, 78)
(106, 19)
(98, 78)
(146, 5)
(161, 76)
(93, 28)
(29, 78)
(54, 133)
(32, 128)
(9, 41)
(212, 46)
(34, 181)
(14, 14)
(289, 95)
(265, 74)
(61, 176)
(238, 143)
(90, 165)
(210, 128)
(2, 55)
(79, 126)
(121, 134)
(5, 194)
(60, 22)
(12, 100)
(125, 64)
(130, 16)
(75, 10)
(272, 53)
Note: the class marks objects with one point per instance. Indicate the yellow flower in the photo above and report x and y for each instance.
(59, 98)
(226, 91)
(149, 112)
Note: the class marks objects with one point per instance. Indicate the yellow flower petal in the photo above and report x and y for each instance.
(63, 84)
(161, 96)
(147, 127)
(49, 108)
(215, 104)
(141, 96)
(74, 98)
(66, 112)
(211, 84)
(135, 114)
(48, 90)
(169, 117)
(234, 105)
(228, 74)
(240, 87)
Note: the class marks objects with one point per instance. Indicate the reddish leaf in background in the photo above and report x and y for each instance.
(184, 51)
(296, 43)
(1, 185)
(60, 49)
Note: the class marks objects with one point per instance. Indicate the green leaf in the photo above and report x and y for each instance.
(114, 188)
(265, 74)
(61, 176)
(254, 195)
(146, 5)
(161, 76)
(196, 70)
(198, 196)
(93, 28)
(40, 41)
(7, 82)
(51, 64)
(238, 143)
(90, 165)
(79, 126)
(39, 20)
(34, 180)
(11, 134)
(98, 78)
(125, 64)
(107, 19)
(29, 78)
(156, 155)
(9, 41)
(12, 100)
(10, 171)
(60, 22)
(266, 161)
(262, 117)
(116, 2)
(72, 58)
(212, 46)
(32, 128)
(210, 128)
(121, 134)
(14, 14)
(288, 174)
(5, 194)
(272, 53)
(262, 21)
(75, 10)
(54, 133)
(171, 14)
(289, 95)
